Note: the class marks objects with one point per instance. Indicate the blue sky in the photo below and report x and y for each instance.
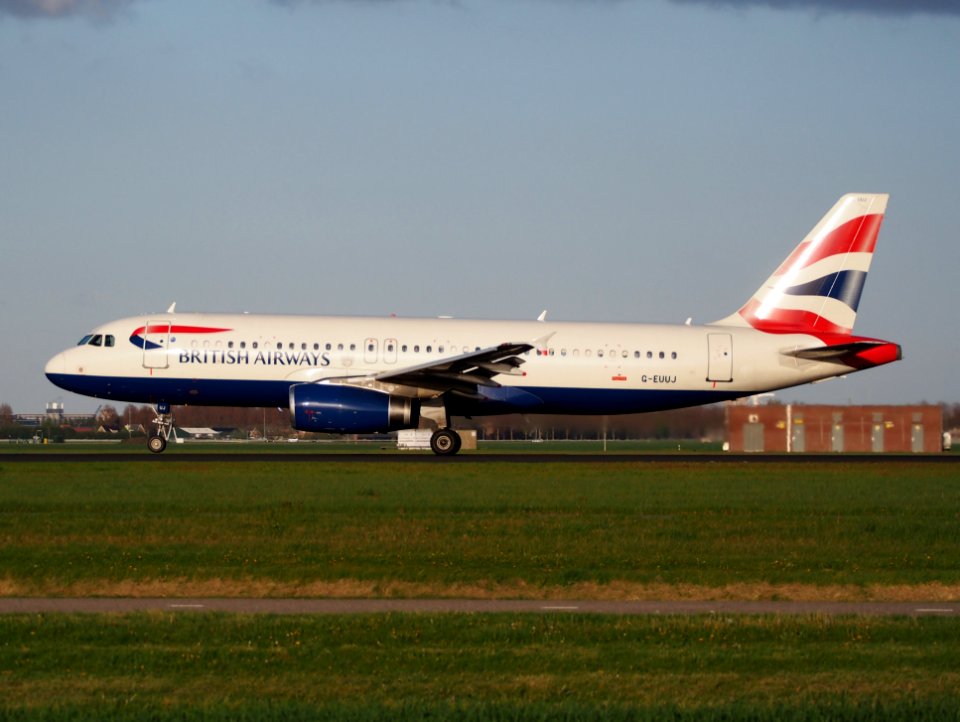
(630, 160)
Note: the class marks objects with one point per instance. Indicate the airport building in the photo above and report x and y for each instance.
(801, 428)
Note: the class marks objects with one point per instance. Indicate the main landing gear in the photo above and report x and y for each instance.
(445, 442)
(157, 440)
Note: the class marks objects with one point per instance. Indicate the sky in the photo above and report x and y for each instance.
(606, 160)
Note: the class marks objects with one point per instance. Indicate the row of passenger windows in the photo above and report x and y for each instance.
(612, 353)
(391, 347)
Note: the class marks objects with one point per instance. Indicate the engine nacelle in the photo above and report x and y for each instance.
(341, 409)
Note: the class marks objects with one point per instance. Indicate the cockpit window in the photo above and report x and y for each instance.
(97, 340)
(108, 341)
(85, 340)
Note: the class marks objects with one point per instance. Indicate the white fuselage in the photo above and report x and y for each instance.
(589, 368)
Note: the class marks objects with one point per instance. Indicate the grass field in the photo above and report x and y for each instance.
(206, 666)
(666, 530)
(510, 530)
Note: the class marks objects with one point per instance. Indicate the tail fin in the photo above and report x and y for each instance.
(817, 288)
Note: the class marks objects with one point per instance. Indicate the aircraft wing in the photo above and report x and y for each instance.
(462, 373)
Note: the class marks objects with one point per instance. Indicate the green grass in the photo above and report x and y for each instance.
(209, 666)
(344, 446)
(516, 529)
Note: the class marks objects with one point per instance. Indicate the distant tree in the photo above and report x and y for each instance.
(951, 416)
(6, 415)
(108, 417)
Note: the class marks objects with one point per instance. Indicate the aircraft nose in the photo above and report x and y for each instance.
(56, 365)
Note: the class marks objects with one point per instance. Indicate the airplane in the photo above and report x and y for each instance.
(360, 375)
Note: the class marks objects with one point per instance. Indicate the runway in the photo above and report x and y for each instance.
(100, 605)
(368, 457)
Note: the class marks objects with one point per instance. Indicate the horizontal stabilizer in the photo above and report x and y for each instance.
(826, 353)
(856, 354)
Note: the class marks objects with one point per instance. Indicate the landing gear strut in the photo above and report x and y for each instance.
(445, 442)
(157, 440)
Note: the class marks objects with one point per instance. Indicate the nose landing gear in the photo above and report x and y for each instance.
(157, 440)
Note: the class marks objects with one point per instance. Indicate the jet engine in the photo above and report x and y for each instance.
(339, 409)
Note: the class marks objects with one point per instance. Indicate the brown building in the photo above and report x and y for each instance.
(799, 428)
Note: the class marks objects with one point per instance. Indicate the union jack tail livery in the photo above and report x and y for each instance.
(817, 288)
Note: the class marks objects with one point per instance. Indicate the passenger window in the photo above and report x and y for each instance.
(339, 347)
(673, 354)
(416, 348)
(328, 347)
(353, 347)
(404, 348)
(439, 349)
(599, 353)
(229, 344)
(370, 347)
(563, 352)
(662, 355)
(243, 344)
(279, 345)
(429, 349)
(649, 354)
(624, 354)
(256, 344)
(636, 354)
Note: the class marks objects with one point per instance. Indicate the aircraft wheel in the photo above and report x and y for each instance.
(156, 444)
(445, 442)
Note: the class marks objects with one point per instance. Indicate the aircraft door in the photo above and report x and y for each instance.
(370, 351)
(390, 350)
(156, 341)
(719, 357)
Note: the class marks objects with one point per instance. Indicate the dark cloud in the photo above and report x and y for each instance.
(862, 7)
(96, 9)
(105, 9)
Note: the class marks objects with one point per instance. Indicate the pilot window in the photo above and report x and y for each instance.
(108, 341)
(97, 340)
